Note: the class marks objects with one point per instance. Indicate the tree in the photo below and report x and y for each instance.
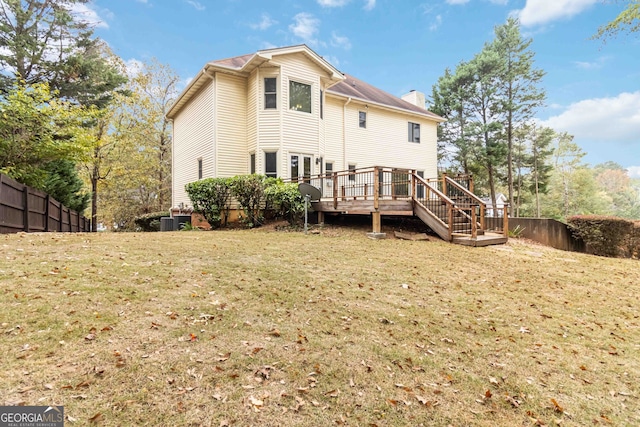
(520, 91)
(36, 129)
(42, 41)
(627, 21)
(64, 185)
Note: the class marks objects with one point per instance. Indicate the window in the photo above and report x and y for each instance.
(299, 97)
(414, 132)
(352, 172)
(252, 163)
(295, 168)
(328, 169)
(321, 104)
(270, 93)
(271, 165)
(199, 169)
(362, 119)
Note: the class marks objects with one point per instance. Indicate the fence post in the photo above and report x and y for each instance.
(444, 184)
(46, 213)
(25, 192)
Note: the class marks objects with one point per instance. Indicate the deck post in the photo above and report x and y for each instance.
(505, 220)
(450, 220)
(335, 190)
(320, 217)
(474, 223)
(414, 184)
(444, 184)
(377, 221)
(482, 214)
(376, 188)
(365, 191)
(471, 183)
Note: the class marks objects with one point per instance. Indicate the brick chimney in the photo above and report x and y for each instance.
(416, 98)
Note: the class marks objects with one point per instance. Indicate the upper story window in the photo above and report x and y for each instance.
(362, 119)
(299, 97)
(252, 163)
(321, 104)
(270, 93)
(199, 168)
(414, 132)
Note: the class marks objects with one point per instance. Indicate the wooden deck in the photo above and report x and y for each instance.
(447, 207)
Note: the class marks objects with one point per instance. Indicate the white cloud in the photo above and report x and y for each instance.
(265, 22)
(593, 65)
(196, 5)
(538, 12)
(602, 119)
(333, 3)
(340, 41)
(305, 26)
(332, 60)
(133, 67)
(457, 1)
(634, 171)
(85, 13)
(500, 2)
(370, 4)
(436, 23)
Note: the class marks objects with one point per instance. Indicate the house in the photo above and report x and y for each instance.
(287, 112)
(501, 201)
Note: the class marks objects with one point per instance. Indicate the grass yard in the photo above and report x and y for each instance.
(267, 328)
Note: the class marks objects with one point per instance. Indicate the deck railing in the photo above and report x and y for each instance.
(450, 203)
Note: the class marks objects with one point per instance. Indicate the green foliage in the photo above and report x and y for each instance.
(64, 185)
(286, 201)
(187, 226)
(627, 21)
(516, 232)
(150, 221)
(36, 129)
(211, 197)
(43, 42)
(249, 191)
(606, 236)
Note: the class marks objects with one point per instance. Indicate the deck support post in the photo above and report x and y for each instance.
(320, 217)
(505, 220)
(377, 221)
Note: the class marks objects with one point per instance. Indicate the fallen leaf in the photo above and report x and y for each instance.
(557, 406)
(333, 393)
(223, 357)
(97, 418)
(487, 394)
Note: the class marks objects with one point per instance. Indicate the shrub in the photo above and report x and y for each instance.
(604, 235)
(150, 221)
(249, 192)
(211, 197)
(285, 200)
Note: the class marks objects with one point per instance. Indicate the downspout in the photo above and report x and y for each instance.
(344, 134)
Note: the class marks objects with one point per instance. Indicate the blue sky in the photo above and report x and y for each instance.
(593, 88)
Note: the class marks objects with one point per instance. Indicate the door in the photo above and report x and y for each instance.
(300, 167)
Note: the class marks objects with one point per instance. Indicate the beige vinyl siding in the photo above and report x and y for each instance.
(385, 140)
(269, 121)
(193, 138)
(300, 130)
(231, 125)
(333, 132)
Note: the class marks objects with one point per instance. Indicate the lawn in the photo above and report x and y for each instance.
(272, 328)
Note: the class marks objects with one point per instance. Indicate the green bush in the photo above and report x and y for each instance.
(211, 197)
(249, 192)
(150, 221)
(606, 236)
(285, 201)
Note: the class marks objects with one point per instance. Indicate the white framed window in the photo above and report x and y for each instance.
(299, 96)
(328, 169)
(352, 172)
(414, 132)
(200, 168)
(270, 93)
(362, 119)
(252, 163)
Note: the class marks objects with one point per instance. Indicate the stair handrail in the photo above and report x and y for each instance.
(481, 203)
(449, 203)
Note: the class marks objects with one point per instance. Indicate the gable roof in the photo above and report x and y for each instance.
(344, 85)
(352, 87)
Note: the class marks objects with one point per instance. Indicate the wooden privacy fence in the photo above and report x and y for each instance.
(23, 208)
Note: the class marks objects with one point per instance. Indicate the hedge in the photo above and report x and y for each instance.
(607, 236)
